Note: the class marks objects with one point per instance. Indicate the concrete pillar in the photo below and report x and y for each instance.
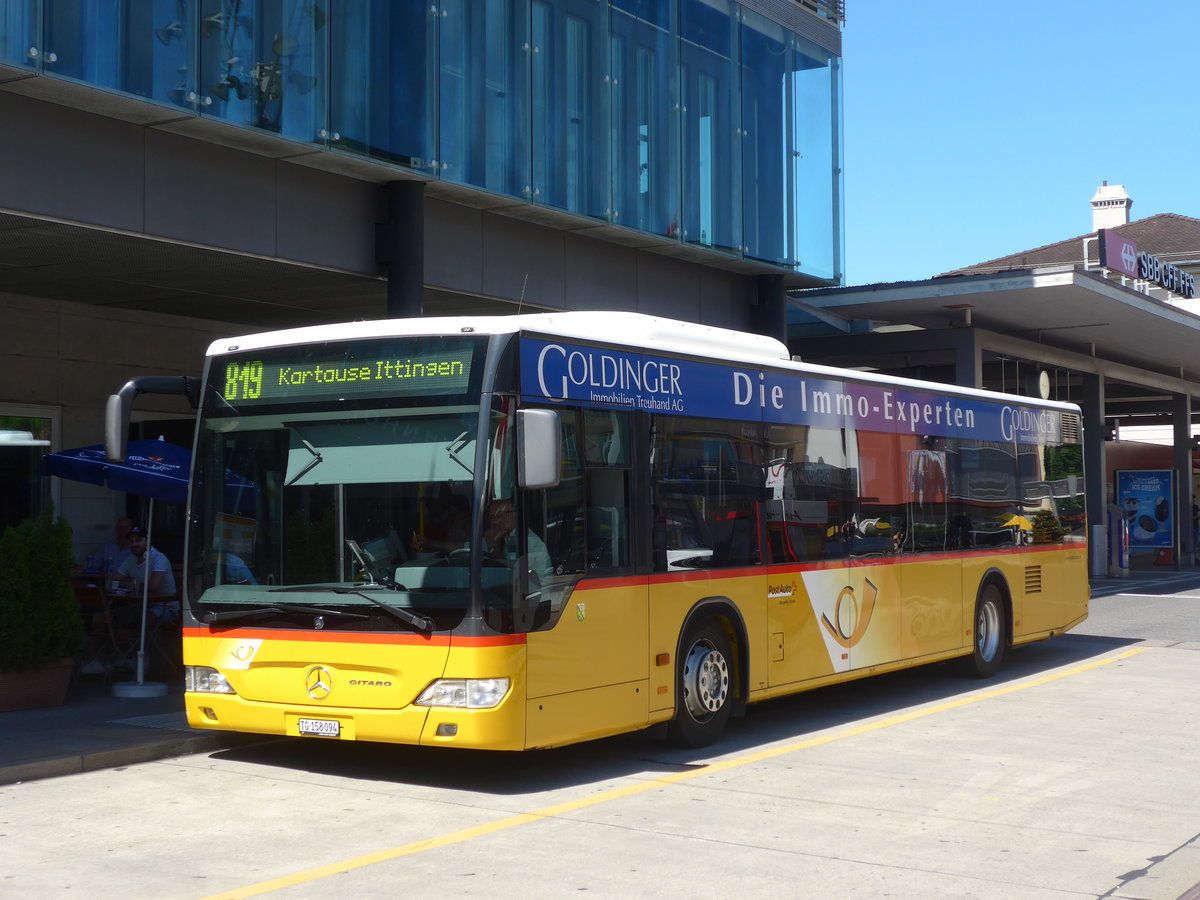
(769, 314)
(1095, 470)
(400, 245)
(1181, 420)
(968, 360)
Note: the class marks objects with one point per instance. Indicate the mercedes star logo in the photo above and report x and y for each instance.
(318, 682)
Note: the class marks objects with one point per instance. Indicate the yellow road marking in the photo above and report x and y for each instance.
(549, 812)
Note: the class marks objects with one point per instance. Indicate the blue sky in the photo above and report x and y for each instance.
(978, 129)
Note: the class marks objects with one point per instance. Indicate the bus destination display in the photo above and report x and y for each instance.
(382, 373)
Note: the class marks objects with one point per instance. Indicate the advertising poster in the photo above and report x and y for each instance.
(1147, 498)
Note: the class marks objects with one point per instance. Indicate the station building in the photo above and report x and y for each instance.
(176, 171)
(1106, 319)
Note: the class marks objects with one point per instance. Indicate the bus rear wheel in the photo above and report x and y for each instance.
(703, 685)
(991, 633)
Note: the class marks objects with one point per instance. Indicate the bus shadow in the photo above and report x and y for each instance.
(644, 754)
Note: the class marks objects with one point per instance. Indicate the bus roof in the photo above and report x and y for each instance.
(652, 333)
(635, 331)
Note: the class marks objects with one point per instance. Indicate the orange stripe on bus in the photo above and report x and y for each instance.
(359, 637)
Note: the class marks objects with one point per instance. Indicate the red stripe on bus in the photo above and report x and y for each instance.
(622, 581)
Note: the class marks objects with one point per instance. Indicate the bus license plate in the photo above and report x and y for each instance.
(320, 727)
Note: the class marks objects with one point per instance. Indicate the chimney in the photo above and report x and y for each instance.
(1110, 206)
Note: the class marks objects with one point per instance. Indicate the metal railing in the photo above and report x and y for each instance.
(830, 9)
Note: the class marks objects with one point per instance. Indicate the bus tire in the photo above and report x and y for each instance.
(703, 686)
(991, 633)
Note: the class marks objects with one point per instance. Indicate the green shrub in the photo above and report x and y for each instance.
(40, 616)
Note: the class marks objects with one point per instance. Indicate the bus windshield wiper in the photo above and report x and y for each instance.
(259, 612)
(421, 623)
(312, 463)
(455, 446)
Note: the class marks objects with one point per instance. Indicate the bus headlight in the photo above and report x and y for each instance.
(205, 680)
(464, 693)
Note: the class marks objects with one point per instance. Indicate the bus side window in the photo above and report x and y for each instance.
(984, 479)
(607, 518)
(607, 437)
(809, 483)
(564, 535)
(709, 482)
(587, 516)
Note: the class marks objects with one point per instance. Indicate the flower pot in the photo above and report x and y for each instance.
(45, 686)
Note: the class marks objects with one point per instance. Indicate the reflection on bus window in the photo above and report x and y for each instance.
(709, 481)
(809, 488)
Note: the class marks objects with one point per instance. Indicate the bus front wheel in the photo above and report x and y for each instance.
(991, 633)
(703, 683)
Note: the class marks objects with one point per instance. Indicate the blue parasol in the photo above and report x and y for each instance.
(154, 469)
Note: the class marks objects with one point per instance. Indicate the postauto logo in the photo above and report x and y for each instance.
(850, 622)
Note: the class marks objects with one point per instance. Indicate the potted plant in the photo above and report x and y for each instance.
(42, 627)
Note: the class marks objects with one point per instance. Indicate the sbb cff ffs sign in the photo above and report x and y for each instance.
(1122, 255)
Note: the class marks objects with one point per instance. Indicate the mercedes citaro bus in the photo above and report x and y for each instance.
(517, 532)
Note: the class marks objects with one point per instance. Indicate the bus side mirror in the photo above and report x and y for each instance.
(119, 405)
(539, 448)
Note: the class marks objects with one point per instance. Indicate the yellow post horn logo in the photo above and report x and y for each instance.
(861, 618)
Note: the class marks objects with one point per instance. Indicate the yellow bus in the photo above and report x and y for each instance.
(522, 532)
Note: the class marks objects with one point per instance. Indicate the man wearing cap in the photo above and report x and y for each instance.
(162, 580)
(110, 556)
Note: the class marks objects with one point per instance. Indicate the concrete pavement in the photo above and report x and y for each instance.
(95, 730)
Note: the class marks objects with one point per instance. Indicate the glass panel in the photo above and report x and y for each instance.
(878, 514)
(709, 481)
(483, 89)
(570, 106)
(24, 492)
(656, 12)
(814, 161)
(983, 490)
(141, 48)
(19, 43)
(711, 204)
(766, 107)
(368, 499)
(1051, 485)
(811, 494)
(382, 99)
(645, 119)
(929, 520)
(1065, 487)
(559, 508)
(262, 64)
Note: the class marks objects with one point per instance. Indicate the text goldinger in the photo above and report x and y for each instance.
(606, 372)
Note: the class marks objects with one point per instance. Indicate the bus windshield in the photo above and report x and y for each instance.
(351, 501)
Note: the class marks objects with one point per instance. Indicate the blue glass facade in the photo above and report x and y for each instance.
(698, 121)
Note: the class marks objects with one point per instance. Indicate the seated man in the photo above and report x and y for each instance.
(132, 574)
(109, 556)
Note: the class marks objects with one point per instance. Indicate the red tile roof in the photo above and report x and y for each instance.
(1169, 236)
